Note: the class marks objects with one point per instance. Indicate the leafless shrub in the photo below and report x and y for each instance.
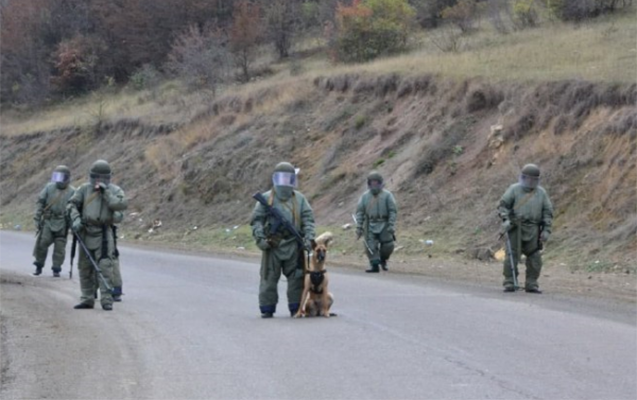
(199, 59)
(447, 39)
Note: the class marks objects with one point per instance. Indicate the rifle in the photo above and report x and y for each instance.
(281, 221)
(92, 260)
(364, 240)
(73, 248)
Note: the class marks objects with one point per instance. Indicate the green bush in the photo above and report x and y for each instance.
(525, 13)
(370, 28)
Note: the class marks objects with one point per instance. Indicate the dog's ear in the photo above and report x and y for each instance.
(313, 243)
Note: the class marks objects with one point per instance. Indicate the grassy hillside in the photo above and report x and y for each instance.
(448, 130)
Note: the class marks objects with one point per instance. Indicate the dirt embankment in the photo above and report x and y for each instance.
(448, 150)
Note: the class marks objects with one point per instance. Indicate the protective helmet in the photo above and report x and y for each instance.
(100, 172)
(284, 175)
(61, 176)
(374, 176)
(531, 170)
(530, 176)
(375, 182)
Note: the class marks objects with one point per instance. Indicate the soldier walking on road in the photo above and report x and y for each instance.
(376, 215)
(527, 217)
(92, 210)
(50, 220)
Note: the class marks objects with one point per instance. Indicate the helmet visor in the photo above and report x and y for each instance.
(528, 181)
(284, 179)
(374, 184)
(59, 177)
(100, 178)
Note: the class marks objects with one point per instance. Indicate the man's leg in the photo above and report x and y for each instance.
(374, 256)
(509, 284)
(59, 252)
(533, 268)
(294, 274)
(268, 292)
(87, 282)
(117, 280)
(41, 249)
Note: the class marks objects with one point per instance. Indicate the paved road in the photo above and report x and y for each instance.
(189, 328)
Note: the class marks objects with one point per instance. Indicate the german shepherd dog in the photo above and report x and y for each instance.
(316, 299)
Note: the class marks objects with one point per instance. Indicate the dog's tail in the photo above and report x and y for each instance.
(325, 238)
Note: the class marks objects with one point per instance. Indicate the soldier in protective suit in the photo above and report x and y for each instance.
(281, 252)
(91, 211)
(50, 220)
(527, 216)
(376, 215)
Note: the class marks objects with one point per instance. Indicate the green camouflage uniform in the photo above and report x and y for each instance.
(526, 209)
(96, 212)
(50, 221)
(376, 215)
(281, 252)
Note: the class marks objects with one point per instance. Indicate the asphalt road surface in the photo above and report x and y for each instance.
(189, 328)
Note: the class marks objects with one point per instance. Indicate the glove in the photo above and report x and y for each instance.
(77, 225)
(391, 231)
(101, 187)
(506, 226)
(544, 236)
(359, 233)
(263, 244)
(309, 244)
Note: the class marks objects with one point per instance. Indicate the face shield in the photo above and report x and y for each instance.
(284, 179)
(60, 177)
(100, 178)
(528, 181)
(375, 186)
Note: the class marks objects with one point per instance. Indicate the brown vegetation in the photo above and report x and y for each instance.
(448, 149)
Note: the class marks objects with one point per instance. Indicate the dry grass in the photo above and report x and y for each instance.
(166, 104)
(602, 50)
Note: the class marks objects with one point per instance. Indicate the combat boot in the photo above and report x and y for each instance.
(117, 293)
(294, 308)
(383, 265)
(267, 311)
(56, 272)
(83, 306)
(38, 269)
(373, 267)
(107, 307)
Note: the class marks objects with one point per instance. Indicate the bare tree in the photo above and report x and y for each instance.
(199, 58)
(282, 24)
(245, 35)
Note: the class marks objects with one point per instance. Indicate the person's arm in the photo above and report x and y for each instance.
(115, 198)
(392, 209)
(39, 208)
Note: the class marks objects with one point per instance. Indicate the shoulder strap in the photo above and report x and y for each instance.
(55, 200)
(524, 200)
(90, 199)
